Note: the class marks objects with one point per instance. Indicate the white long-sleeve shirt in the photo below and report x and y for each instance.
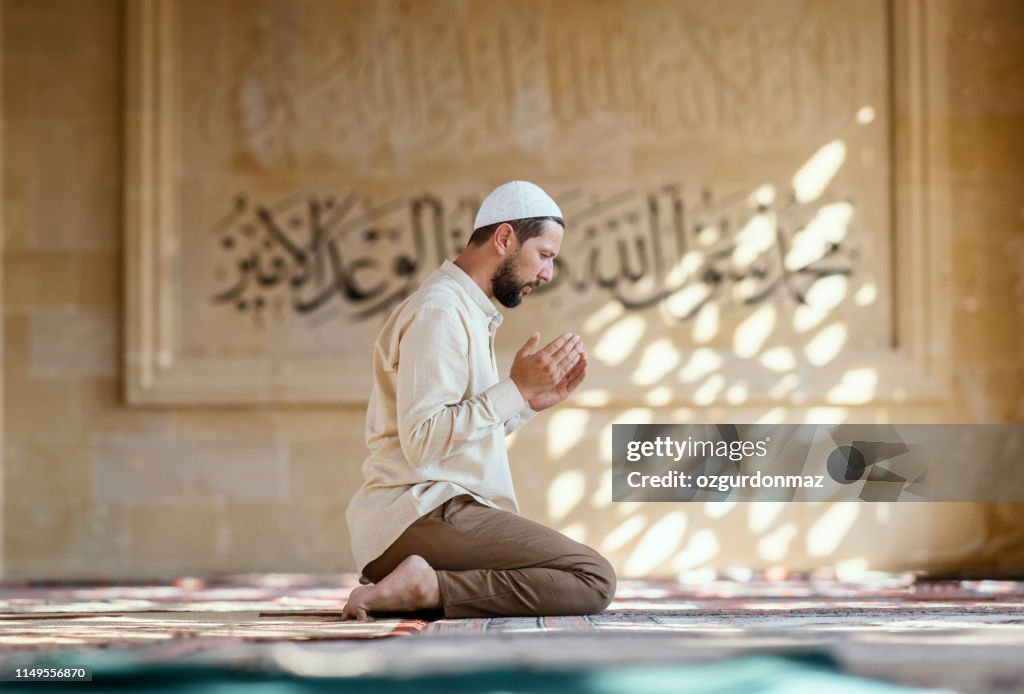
(438, 413)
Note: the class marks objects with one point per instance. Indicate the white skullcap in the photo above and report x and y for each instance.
(515, 200)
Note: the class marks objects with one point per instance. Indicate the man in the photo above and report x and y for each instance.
(435, 524)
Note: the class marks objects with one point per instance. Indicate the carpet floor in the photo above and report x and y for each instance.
(891, 630)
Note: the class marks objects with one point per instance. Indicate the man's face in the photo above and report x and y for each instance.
(530, 264)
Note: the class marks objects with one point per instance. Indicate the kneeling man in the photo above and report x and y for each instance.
(435, 524)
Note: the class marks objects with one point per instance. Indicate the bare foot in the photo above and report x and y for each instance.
(411, 586)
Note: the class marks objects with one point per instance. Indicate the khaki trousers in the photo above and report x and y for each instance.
(493, 563)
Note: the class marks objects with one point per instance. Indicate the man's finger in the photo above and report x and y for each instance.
(577, 375)
(579, 363)
(576, 381)
(568, 363)
(556, 344)
(568, 354)
(528, 348)
(579, 367)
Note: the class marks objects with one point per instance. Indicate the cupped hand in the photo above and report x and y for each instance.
(538, 371)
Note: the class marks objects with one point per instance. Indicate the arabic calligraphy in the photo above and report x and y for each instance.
(643, 248)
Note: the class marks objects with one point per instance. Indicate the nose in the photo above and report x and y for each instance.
(547, 272)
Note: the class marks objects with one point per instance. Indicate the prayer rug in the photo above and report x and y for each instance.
(41, 616)
(801, 607)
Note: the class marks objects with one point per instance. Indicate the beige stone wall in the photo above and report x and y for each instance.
(986, 91)
(2, 243)
(92, 487)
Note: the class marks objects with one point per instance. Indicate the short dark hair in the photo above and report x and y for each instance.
(525, 229)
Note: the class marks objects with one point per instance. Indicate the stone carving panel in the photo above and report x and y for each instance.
(716, 164)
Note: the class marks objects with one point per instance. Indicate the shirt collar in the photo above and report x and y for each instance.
(473, 289)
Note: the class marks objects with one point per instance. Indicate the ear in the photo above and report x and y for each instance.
(504, 239)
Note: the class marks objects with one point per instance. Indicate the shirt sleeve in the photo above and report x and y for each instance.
(435, 417)
(519, 419)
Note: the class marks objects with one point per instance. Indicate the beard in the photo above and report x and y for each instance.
(506, 285)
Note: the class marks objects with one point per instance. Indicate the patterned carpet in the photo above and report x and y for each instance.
(805, 607)
(235, 609)
(962, 634)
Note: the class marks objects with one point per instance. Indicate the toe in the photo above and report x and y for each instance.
(351, 611)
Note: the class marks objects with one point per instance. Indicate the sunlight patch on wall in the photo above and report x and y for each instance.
(703, 361)
(709, 235)
(625, 532)
(807, 317)
(786, 385)
(831, 528)
(702, 548)
(657, 544)
(603, 316)
(828, 292)
(813, 177)
(737, 393)
(755, 238)
(660, 357)
(753, 332)
(602, 496)
(825, 415)
(776, 415)
(685, 301)
(850, 570)
(866, 295)
(624, 509)
(592, 398)
(683, 414)
(566, 428)
(857, 386)
(706, 325)
(717, 509)
(761, 514)
(709, 390)
(619, 341)
(683, 270)
(774, 547)
(763, 196)
(814, 241)
(576, 531)
(658, 397)
(779, 359)
(565, 493)
(825, 346)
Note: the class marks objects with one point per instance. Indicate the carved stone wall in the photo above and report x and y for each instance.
(296, 169)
